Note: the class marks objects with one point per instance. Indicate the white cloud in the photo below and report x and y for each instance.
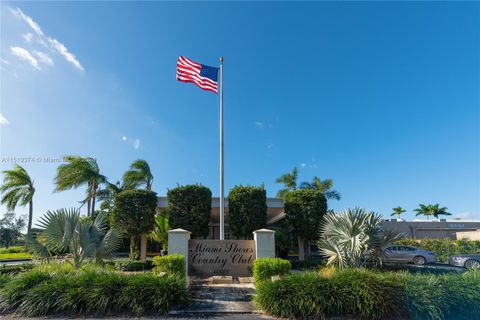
(24, 54)
(51, 43)
(303, 165)
(28, 37)
(19, 13)
(259, 124)
(44, 58)
(124, 138)
(466, 216)
(3, 120)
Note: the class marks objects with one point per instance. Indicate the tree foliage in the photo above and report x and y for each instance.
(397, 211)
(289, 181)
(18, 188)
(247, 210)
(304, 211)
(323, 186)
(189, 207)
(77, 172)
(431, 210)
(10, 229)
(134, 211)
(138, 175)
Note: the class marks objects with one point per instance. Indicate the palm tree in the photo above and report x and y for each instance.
(424, 210)
(107, 194)
(289, 181)
(324, 186)
(138, 175)
(397, 212)
(18, 187)
(439, 211)
(77, 172)
(160, 231)
(64, 231)
(354, 236)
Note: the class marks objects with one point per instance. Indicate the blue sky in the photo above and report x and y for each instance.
(382, 97)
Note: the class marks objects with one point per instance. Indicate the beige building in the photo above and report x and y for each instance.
(417, 228)
(432, 229)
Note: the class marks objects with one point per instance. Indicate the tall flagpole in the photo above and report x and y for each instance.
(222, 204)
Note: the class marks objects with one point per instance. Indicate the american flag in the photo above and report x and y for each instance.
(203, 76)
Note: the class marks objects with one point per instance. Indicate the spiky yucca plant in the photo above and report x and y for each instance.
(351, 237)
(65, 231)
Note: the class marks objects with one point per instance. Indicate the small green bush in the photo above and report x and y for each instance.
(307, 264)
(173, 264)
(133, 265)
(14, 269)
(265, 268)
(443, 248)
(45, 291)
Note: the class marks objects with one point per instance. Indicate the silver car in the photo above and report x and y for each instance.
(469, 261)
(409, 254)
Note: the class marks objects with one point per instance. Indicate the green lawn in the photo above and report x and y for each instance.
(17, 255)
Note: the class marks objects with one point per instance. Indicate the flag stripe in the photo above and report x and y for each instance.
(190, 71)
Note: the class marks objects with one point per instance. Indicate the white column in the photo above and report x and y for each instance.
(178, 243)
(264, 243)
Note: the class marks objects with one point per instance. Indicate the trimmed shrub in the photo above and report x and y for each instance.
(304, 211)
(444, 248)
(14, 249)
(247, 210)
(133, 265)
(173, 264)
(361, 293)
(134, 213)
(189, 208)
(266, 268)
(313, 296)
(92, 291)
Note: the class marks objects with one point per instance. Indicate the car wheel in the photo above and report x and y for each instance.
(472, 264)
(419, 260)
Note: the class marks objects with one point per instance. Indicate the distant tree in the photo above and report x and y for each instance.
(424, 210)
(189, 208)
(323, 186)
(247, 210)
(107, 195)
(134, 214)
(138, 175)
(289, 181)
(77, 172)
(10, 229)
(17, 188)
(439, 211)
(397, 212)
(304, 211)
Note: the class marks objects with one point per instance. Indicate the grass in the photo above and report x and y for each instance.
(15, 252)
(19, 255)
(58, 289)
(366, 294)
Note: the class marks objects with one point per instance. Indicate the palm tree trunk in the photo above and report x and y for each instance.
(93, 205)
(29, 225)
(88, 207)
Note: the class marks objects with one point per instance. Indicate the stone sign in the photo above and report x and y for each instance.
(221, 257)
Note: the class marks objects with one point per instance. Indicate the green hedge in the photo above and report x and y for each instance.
(444, 248)
(133, 265)
(40, 292)
(372, 295)
(189, 208)
(265, 268)
(247, 210)
(14, 249)
(172, 264)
